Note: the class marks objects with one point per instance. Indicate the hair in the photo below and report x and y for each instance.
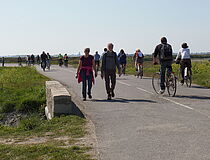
(163, 40)
(184, 45)
(105, 49)
(111, 44)
(122, 51)
(87, 50)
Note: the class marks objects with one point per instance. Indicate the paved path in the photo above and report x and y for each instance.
(139, 125)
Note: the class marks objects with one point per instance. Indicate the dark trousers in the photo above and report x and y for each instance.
(183, 64)
(164, 65)
(86, 81)
(110, 75)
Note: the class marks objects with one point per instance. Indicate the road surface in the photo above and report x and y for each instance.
(140, 125)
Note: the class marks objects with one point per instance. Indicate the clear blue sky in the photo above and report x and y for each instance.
(68, 26)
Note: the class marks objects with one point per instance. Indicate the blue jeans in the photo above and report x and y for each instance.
(164, 65)
(86, 80)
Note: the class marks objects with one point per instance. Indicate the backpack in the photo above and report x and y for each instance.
(166, 52)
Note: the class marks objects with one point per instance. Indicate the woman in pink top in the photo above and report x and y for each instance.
(85, 73)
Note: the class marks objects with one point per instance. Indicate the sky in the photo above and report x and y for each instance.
(69, 26)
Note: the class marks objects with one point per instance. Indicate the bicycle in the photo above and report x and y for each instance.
(187, 76)
(139, 71)
(170, 82)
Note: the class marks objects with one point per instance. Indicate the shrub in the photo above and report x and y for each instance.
(30, 123)
(7, 108)
(30, 105)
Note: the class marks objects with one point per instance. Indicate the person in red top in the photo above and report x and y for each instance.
(85, 73)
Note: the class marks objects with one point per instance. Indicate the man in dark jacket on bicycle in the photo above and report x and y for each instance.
(164, 52)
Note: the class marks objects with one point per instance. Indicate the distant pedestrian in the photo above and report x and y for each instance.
(165, 53)
(38, 59)
(122, 58)
(66, 60)
(48, 62)
(43, 60)
(108, 70)
(32, 59)
(97, 60)
(19, 61)
(3, 61)
(85, 73)
(138, 62)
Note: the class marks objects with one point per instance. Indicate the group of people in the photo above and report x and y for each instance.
(87, 69)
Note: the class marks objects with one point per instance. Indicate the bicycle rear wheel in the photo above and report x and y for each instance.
(171, 84)
(156, 82)
(189, 78)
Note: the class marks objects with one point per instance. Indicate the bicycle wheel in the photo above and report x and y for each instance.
(188, 78)
(156, 82)
(171, 84)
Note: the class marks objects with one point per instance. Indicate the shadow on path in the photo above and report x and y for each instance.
(200, 87)
(194, 97)
(121, 100)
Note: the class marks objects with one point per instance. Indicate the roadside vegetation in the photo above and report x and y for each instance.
(24, 131)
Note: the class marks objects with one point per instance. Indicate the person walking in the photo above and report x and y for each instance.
(43, 60)
(3, 61)
(185, 60)
(122, 58)
(97, 60)
(38, 59)
(48, 62)
(85, 73)
(32, 59)
(165, 53)
(108, 70)
(19, 61)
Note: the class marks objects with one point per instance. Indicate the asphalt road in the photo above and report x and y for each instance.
(140, 125)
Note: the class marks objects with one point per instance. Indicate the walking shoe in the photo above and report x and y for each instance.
(113, 95)
(161, 91)
(109, 97)
(89, 96)
(84, 99)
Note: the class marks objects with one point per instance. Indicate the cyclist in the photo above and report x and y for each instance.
(122, 58)
(66, 60)
(138, 61)
(97, 60)
(184, 55)
(43, 60)
(164, 51)
(48, 61)
(60, 60)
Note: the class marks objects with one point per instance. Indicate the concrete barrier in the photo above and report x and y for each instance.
(59, 101)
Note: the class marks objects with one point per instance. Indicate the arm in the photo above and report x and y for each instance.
(117, 63)
(94, 67)
(79, 67)
(178, 55)
(103, 66)
(155, 54)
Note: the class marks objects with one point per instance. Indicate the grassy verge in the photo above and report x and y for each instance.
(22, 92)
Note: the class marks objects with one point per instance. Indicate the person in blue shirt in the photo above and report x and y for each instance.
(122, 58)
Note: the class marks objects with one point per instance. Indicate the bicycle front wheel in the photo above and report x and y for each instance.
(156, 82)
(171, 84)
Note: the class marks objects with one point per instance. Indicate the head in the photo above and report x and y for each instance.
(43, 52)
(87, 51)
(122, 51)
(65, 54)
(138, 50)
(96, 52)
(47, 53)
(105, 50)
(184, 45)
(110, 47)
(164, 40)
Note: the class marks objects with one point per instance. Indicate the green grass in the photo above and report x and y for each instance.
(22, 90)
(42, 152)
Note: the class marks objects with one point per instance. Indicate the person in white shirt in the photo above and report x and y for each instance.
(184, 58)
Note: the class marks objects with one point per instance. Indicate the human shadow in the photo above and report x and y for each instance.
(194, 97)
(200, 87)
(122, 100)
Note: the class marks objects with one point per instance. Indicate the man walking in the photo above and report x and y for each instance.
(164, 51)
(108, 70)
